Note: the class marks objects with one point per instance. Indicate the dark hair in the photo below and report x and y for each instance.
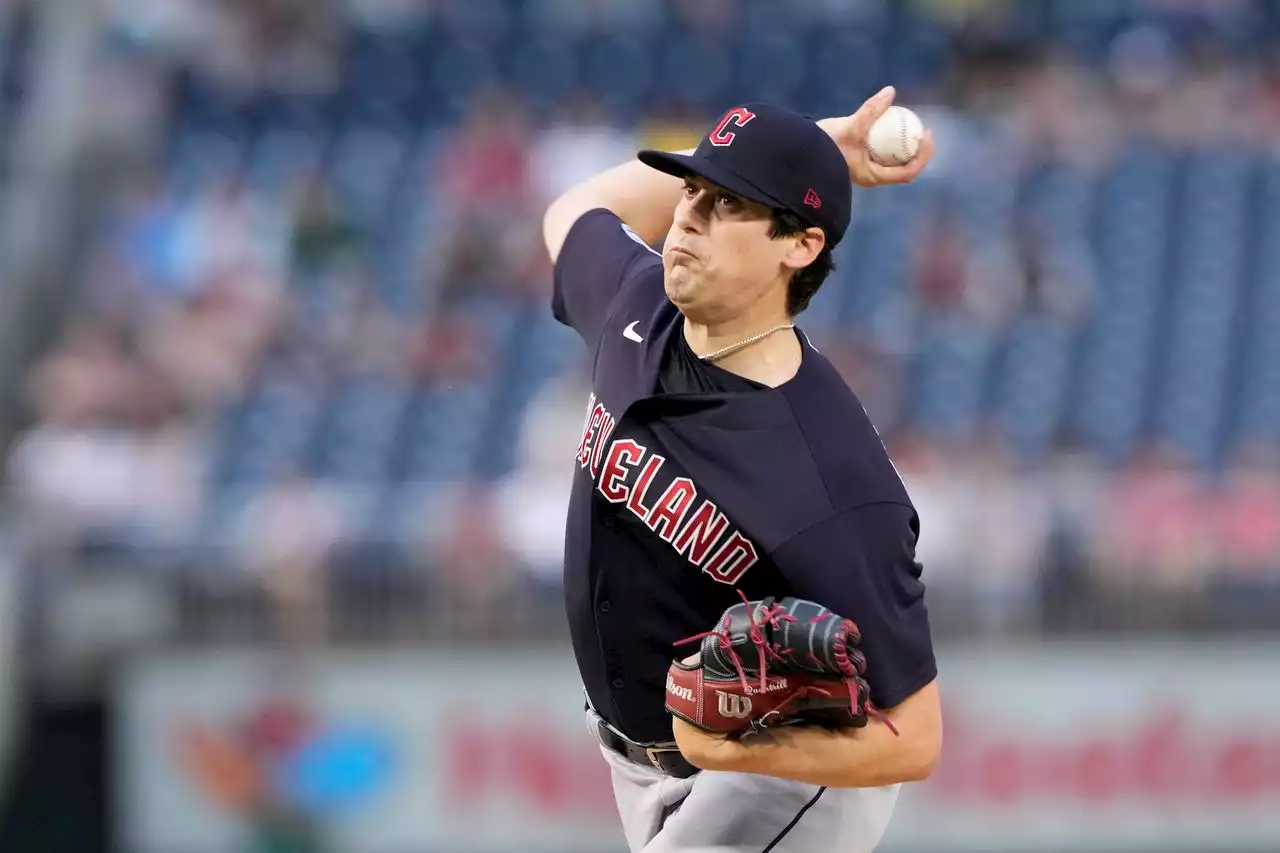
(804, 282)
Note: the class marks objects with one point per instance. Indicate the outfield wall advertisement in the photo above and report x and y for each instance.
(1057, 748)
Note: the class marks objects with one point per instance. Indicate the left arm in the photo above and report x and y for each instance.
(861, 564)
(869, 757)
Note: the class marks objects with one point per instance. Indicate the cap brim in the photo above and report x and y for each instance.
(685, 165)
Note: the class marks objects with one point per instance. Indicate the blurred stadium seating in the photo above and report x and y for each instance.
(318, 283)
(308, 386)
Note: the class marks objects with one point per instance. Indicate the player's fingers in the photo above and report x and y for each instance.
(875, 106)
(925, 153)
(859, 661)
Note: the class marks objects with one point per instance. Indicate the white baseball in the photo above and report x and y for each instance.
(894, 140)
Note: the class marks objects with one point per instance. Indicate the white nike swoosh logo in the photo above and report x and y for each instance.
(630, 332)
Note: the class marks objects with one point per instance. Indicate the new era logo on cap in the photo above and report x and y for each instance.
(775, 157)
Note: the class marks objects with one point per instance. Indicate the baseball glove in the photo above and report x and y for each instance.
(767, 665)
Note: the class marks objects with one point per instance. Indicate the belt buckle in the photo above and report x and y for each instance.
(651, 752)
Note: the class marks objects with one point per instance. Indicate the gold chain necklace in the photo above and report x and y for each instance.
(751, 340)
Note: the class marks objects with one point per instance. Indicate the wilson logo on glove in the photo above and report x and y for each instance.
(733, 706)
(679, 692)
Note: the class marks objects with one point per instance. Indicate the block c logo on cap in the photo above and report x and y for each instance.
(736, 117)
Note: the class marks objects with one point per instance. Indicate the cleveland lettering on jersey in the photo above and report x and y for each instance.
(704, 536)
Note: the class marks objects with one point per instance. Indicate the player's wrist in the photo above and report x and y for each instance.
(707, 750)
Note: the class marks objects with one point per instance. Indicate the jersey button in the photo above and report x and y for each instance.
(619, 683)
(605, 607)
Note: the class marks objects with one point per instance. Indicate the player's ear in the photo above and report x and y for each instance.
(804, 248)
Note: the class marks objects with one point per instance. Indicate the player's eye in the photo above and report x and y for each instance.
(728, 202)
(690, 190)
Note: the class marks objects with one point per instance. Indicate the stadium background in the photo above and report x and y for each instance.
(287, 419)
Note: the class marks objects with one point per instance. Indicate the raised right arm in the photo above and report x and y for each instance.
(644, 198)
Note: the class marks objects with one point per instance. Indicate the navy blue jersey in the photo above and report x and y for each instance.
(683, 500)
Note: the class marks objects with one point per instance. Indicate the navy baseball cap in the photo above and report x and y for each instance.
(773, 156)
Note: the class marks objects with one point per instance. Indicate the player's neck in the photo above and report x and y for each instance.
(771, 360)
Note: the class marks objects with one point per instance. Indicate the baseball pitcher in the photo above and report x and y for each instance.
(745, 605)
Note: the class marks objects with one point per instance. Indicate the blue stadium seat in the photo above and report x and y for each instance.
(875, 260)
(1031, 385)
(271, 431)
(1131, 235)
(440, 439)
(1258, 395)
(951, 373)
(544, 71)
(221, 514)
(358, 428)
(769, 66)
(284, 154)
(458, 72)
(620, 68)
(200, 157)
(481, 20)
(381, 71)
(698, 70)
(1210, 262)
(366, 163)
(845, 68)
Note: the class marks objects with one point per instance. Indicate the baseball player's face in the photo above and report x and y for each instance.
(718, 257)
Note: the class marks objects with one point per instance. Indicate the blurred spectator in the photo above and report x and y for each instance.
(1065, 116)
(474, 572)
(286, 535)
(581, 143)
(484, 169)
(140, 254)
(1144, 68)
(450, 348)
(109, 466)
(208, 343)
(281, 46)
(1052, 275)
(937, 492)
(533, 500)
(1266, 101)
(228, 226)
(160, 26)
(1154, 529)
(324, 236)
(1246, 519)
(1210, 98)
(941, 265)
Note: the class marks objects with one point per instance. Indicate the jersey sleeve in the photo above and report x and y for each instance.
(861, 564)
(599, 256)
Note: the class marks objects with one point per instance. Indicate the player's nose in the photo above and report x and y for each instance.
(689, 213)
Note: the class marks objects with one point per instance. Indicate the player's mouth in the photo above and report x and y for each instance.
(681, 251)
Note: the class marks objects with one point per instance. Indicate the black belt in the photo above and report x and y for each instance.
(664, 756)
